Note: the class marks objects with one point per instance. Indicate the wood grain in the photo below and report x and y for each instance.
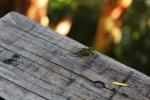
(43, 63)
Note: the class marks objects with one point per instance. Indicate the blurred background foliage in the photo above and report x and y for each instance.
(134, 47)
(84, 15)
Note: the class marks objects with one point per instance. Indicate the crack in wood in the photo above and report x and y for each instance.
(70, 82)
(117, 90)
(22, 88)
(99, 84)
(128, 76)
(124, 95)
(54, 63)
(43, 66)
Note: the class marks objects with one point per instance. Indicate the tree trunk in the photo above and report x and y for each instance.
(108, 30)
(34, 9)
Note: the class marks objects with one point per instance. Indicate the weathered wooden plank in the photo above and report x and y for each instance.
(37, 86)
(60, 41)
(27, 25)
(11, 91)
(139, 88)
(20, 21)
(5, 56)
(55, 54)
(80, 93)
(55, 78)
(120, 97)
(50, 61)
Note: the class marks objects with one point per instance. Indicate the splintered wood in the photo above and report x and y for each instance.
(38, 64)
